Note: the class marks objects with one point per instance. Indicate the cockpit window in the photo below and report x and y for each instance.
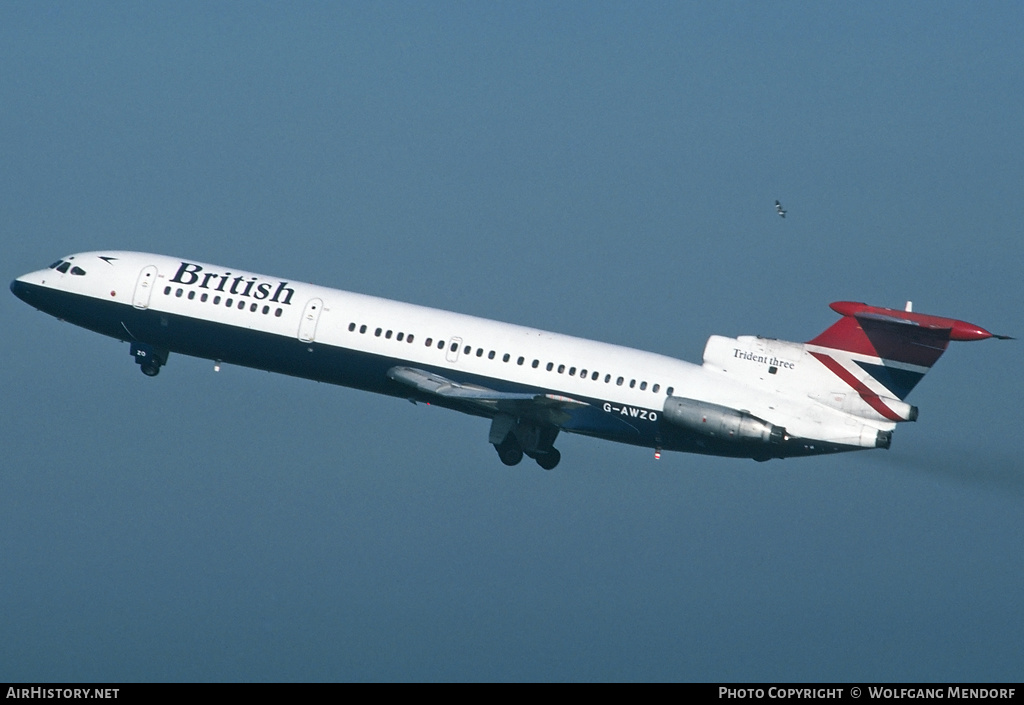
(62, 266)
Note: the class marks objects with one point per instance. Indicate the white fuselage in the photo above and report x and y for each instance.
(165, 304)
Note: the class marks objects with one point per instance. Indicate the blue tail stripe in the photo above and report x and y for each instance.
(897, 381)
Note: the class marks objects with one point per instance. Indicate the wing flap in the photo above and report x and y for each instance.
(513, 402)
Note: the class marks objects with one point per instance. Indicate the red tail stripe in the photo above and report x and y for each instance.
(873, 400)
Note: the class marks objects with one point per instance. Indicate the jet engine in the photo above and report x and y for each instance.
(721, 422)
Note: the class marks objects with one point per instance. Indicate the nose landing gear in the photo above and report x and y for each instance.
(149, 358)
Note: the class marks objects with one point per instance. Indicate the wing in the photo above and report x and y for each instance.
(546, 408)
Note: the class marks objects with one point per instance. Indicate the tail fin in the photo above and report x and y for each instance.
(883, 353)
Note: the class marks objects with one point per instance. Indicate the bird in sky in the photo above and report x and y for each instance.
(780, 210)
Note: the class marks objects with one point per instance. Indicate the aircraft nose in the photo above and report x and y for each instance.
(20, 289)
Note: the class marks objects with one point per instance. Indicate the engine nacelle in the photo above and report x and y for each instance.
(721, 421)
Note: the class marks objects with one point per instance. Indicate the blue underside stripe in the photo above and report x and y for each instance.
(210, 340)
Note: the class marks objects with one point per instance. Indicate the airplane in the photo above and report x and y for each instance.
(752, 397)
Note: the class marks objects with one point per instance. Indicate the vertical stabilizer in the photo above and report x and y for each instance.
(883, 353)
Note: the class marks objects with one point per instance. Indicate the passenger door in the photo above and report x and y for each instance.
(310, 317)
(144, 287)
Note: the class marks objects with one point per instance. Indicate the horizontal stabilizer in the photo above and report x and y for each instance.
(958, 330)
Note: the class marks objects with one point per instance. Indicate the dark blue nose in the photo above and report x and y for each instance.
(20, 289)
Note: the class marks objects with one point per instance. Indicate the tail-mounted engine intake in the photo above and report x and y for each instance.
(721, 422)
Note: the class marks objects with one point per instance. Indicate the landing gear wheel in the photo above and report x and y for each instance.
(148, 358)
(509, 451)
(549, 460)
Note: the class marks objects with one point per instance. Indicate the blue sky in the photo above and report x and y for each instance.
(606, 170)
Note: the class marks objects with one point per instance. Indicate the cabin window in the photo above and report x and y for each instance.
(632, 383)
(490, 355)
(521, 360)
(655, 388)
(191, 295)
(409, 339)
(669, 391)
(241, 305)
(204, 297)
(428, 342)
(594, 376)
(179, 292)
(467, 350)
(167, 289)
(387, 335)
(351, 327)
(561, 369)
(619, 381)
(229, 302)
(266, 309)
(216, 301)
(400, 337)
(506, 357)
(551, 366)
(535, 364)
(377, 333)
(643, 386)
(253, 307)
